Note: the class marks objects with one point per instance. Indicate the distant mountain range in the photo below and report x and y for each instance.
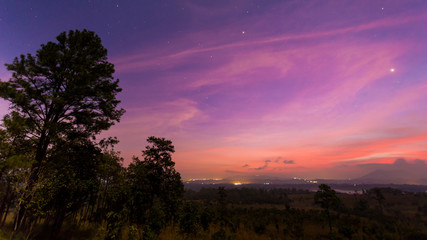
(379, 176)
(393, 177)
(400, 172)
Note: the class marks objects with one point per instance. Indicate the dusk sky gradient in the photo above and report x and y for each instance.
(316, 89)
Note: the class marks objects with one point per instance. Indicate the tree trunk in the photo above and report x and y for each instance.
(57, 224)
(329, 221)
(34, 176)
(5, 215)
(5, 201)
(30, 229)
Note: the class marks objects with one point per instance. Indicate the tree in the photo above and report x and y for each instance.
(16, 152)
(156, 187)
(327, 198)
(378, 195)
(71, 179)
(190, 219)
(161, 172)
(113, 193)
(222, 205)
(111, 177)
(66, 91)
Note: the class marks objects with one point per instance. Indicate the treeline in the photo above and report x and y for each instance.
(378, 213)
(245, 195)
(89, 185)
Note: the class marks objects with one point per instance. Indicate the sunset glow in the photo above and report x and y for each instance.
(316, 89)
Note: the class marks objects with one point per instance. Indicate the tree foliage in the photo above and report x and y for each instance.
(65, 90)
(326, 197)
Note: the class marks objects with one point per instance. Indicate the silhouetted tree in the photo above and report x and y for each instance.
(16, 155)
(65, 90)
(361, 206)
(190, 219)
(327, 198)
(71, 177)
(222, 205)
(110, 172)
(156, 189)
(379, 197)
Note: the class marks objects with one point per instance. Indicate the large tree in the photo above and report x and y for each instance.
(65, 92)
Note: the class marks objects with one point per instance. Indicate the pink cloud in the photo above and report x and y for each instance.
(166, 119)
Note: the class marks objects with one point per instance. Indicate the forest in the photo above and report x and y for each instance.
(59, 181)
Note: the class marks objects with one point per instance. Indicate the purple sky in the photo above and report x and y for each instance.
(282, 88)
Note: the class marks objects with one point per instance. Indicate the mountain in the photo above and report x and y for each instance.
(394, 177)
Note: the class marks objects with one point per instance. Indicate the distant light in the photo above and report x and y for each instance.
(237, 183)
(392, 69)
(243, 32)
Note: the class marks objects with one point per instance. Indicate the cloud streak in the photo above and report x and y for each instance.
(266, 162)
(142, 60)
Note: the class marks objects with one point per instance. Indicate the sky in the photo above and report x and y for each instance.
(313, 89)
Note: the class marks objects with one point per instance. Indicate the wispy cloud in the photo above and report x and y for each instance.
(146, 59)
(266, 162)
(288, 162)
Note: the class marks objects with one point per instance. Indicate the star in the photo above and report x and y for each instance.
(243, 32)
(392, 69)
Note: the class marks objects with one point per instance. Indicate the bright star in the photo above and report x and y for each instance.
(391, 69)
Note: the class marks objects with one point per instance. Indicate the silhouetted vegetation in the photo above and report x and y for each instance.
(327, 198)
(243, 195)
(324, 214)
(57, 181)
